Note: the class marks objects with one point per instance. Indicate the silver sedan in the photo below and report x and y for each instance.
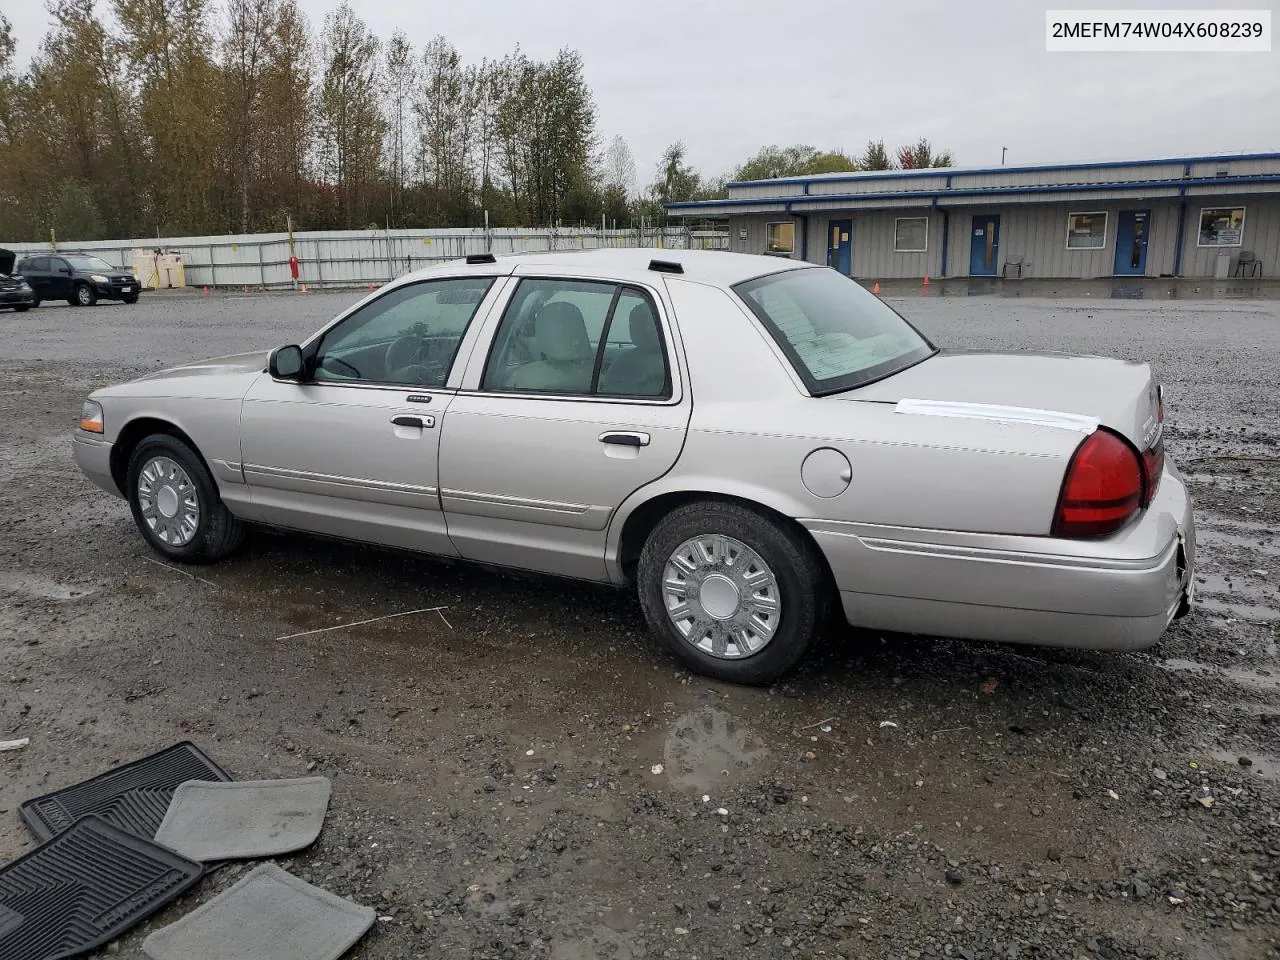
(753, 445)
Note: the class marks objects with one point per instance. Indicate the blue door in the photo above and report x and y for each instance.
(840, 246)
(1131, 242)
(984, 246)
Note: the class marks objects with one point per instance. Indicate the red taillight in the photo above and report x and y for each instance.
(1153, 466)
(1103, 488)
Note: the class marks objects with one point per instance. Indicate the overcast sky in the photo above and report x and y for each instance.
(728, 76)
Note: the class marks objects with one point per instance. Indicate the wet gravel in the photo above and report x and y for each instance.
(520, 775)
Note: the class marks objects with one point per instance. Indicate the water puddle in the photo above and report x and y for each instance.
(1236, 608)
(1245, 676)
(1207, 537)
(710, 747)
(1266, 766)
(41, 588)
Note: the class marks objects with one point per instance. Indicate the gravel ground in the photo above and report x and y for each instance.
(494, 792)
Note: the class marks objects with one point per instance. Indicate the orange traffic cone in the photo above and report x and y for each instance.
(304, 288)
(371, 287)
(926, 280)
(205, 291)
(876, 288)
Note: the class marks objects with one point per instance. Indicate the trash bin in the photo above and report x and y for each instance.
(1222, 269)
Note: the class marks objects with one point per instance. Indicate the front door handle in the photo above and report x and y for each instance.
(419, 422)
(625, 438)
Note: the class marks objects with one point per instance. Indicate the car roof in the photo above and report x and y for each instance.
(628, 264)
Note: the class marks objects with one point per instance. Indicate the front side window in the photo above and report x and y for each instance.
(780, 237)
(409, 336)
(579, 338)
(1221, 227)
(911, 235)
(836, 334)
(1086, 231)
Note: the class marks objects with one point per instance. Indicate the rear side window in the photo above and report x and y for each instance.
(579, 338)
(35, 264)
(836, 334)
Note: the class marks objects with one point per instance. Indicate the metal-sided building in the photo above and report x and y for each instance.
(1177, 217)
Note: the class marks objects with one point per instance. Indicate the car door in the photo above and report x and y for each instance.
(353, 450)
(36, 272)
(573, 399)
(60, 279)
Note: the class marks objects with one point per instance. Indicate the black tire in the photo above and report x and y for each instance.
(804, 588)
(218, 533)
(23, 309)
(83, 296)
(34, 304)
(132, 299)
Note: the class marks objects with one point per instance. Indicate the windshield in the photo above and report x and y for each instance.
(836, 334)
(90, 263)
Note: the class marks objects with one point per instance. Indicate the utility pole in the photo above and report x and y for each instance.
(1003, 151)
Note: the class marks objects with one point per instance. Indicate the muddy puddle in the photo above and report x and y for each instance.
(42, 588)
(710, 748)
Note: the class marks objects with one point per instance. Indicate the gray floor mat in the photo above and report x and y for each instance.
(209, 821)
(268, 915)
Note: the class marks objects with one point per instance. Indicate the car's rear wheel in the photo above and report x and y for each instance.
(23, 309)
(83, 296)
(175, 503)
(731, 592)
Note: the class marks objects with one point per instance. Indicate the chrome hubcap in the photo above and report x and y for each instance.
(168, 501)
(721, 596)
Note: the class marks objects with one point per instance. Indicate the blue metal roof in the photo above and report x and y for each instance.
(1025, 168)
(789, 201)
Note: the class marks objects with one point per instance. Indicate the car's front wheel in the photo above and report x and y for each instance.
(175, 503)
(131, 299)
(83, 296)
(23, 309)
(732, 592)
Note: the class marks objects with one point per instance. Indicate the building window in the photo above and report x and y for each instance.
(780, 237)
(1221, 227)
(1086, 231)
(911, 235)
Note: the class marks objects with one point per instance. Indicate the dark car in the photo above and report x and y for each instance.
(78, 278)
(15, 292)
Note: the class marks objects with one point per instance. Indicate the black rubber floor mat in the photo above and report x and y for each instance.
(134, 797)
(84, 888)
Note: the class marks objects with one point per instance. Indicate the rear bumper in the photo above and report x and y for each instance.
(93, 457)
(1117, 593)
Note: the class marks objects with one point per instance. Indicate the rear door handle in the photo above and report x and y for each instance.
(419, 422)
(625, 438)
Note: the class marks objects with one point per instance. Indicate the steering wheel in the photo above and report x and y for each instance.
(408, 360)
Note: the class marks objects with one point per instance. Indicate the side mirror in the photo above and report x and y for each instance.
(285, 363)
(67, 270)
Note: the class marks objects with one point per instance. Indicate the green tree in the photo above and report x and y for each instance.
(801, 160)
(401, 74)
(351, 125)
(875, 157)
(167, 43)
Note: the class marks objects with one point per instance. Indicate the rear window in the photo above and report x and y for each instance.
(837, 334)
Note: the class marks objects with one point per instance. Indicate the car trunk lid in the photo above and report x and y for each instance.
(1076, 393)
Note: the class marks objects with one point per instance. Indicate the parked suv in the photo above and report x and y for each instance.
(15, 292)
(79, 279)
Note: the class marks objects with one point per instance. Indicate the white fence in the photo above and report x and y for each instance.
(349, 258)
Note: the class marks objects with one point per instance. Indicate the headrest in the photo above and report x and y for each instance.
(562, 333)
(643, 327)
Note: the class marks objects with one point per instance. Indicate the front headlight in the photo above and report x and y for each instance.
(98, 278)
(24, 286)
(91, 417)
